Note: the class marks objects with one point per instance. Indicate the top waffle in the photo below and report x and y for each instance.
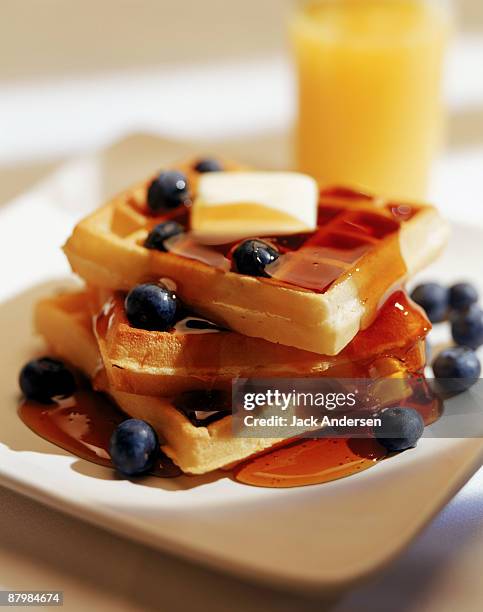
(325, 286)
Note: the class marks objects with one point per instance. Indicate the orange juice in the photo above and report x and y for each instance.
(370, 103)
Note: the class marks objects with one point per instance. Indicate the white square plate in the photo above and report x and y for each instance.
(315, 537)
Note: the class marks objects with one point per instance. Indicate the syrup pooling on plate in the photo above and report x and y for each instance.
(316, 461)
(74, 424)
(309, 462)
(83, 425)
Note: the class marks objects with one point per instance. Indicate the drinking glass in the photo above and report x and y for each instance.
(370, 108)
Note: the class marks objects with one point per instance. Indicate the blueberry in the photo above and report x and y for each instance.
(400, 428)
(134, 447)
(456, 369)
(467, 328)
(252, 256)
(462, 296)
(43, 379)
(433, 298)
(151, 307)
(162, 232)
(168, 190)
(208, 165)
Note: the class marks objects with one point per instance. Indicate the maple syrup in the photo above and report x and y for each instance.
(310, 461)
(83, 425)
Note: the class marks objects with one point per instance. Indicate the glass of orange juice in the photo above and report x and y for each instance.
(370, 91)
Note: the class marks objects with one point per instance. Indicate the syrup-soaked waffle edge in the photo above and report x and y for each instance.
(162, 363)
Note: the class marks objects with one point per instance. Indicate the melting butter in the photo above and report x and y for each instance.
(235, 205)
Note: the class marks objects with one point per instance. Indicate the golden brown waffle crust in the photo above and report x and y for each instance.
(106, 250)
(168, 363)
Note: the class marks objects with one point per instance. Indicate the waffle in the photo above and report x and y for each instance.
(324, 288)
(196, 448)
(165, 363)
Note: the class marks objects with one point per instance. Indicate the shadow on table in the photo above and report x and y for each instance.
(180, 483)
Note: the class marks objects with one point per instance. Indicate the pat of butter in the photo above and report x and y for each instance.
(234, 205)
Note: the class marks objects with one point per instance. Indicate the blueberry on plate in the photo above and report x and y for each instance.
(150, 306)
(43, 379)
(400, 428)
(252, 256)
(467, 328)
(168, 190)
(159, 234)
(208, 165)
(462, 296)
(134, 447)
(456, 369)
(434, 299)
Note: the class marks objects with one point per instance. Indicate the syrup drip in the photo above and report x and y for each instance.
(316, 461)
(422, 399)
(83, 425)
(308, 462)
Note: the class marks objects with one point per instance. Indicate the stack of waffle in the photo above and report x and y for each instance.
(332, 307)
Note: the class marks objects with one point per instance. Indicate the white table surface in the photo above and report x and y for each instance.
(42, 549)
